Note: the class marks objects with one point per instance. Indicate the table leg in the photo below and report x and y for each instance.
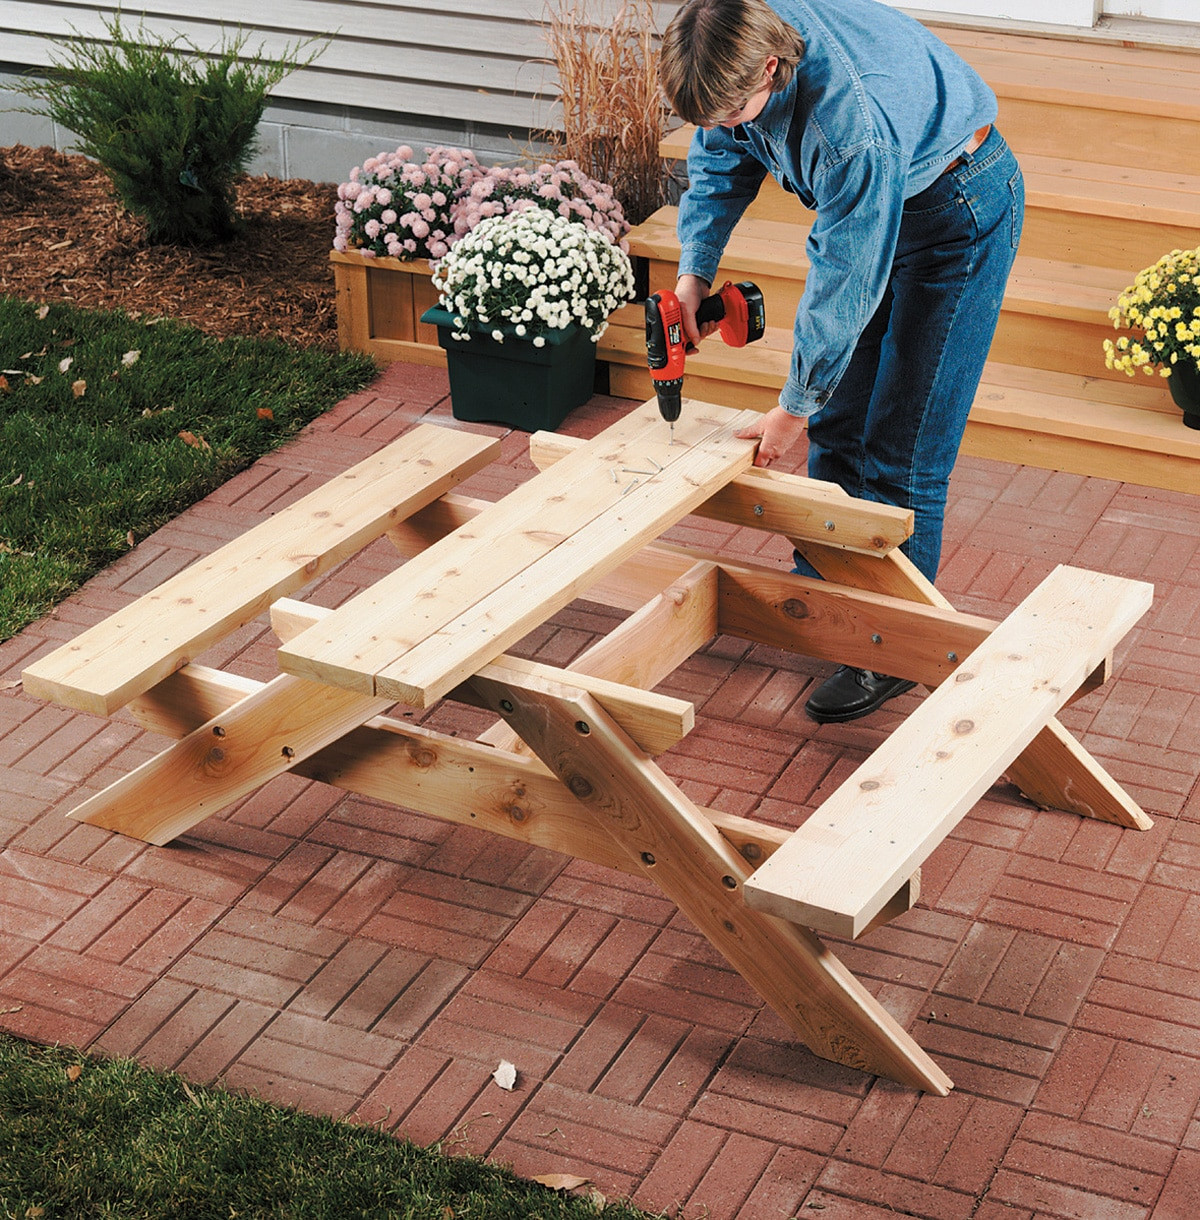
(681, 851)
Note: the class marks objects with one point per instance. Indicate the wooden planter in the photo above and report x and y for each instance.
(379, 306)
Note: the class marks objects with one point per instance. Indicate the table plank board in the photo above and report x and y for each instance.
(426, 627)
(105, 666)
(877, 828)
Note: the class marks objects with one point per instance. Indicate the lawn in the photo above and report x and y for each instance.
(83, 1138)
(111, 425)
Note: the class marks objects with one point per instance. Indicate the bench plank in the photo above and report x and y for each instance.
(428, 626)
(840, 868)
(780, 503)
(656, 722)
(107, 665)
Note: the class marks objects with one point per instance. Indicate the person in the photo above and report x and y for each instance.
(889, 137)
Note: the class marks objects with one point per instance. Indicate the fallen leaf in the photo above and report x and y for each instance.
(190, 1095)
(34, 1213)
(5, 388)
(79, 388)
(597, 1199)
(17, 481)
(65, 363)
(131, 358)
(196, 442)
(129, 538)
(505, 1075)
(74, 1072)
(561, 1181)
(265, 413)
(32, 380)
(42, 312)
(15, 1007)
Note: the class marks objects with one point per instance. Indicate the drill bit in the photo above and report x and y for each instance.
(671, 425)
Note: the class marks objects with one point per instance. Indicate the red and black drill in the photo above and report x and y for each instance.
(737, 307)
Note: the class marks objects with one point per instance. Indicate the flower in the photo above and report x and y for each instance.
(533, 269)
(395, 205)
(398, 206)
(1162, 310)
(562, 187)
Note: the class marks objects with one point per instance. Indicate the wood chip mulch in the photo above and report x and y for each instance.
(65, 237)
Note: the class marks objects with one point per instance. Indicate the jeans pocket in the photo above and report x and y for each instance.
(1016, 188)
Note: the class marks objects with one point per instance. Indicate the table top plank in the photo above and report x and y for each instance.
(465, 599)
(105, 666)
(839, 868)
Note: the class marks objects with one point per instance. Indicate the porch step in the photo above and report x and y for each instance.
(1129, 431)
(1079, 211)
(1055, 313)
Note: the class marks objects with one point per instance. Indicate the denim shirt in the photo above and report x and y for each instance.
(875, 111)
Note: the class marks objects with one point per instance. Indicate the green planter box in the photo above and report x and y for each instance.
(513, 382)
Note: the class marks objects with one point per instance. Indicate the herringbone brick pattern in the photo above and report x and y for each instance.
(340, 954)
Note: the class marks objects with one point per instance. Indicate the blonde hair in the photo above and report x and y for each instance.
(714, 53)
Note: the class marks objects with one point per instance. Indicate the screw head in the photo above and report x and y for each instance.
(876, 639)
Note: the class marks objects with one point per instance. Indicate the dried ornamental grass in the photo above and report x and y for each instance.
(612, 113)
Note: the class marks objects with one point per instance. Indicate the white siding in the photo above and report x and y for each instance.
(453, 61)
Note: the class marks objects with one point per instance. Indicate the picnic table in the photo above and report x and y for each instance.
(569, 763)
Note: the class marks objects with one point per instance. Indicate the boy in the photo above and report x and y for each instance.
(888, 136)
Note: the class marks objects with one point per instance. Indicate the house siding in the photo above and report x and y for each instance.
(394, 72)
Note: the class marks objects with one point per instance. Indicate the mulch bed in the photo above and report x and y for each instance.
(65, 237)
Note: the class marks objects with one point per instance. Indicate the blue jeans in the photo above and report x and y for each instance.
(891, 430)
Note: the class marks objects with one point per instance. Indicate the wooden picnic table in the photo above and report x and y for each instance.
(570, 761)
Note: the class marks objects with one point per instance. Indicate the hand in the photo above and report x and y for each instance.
(779, 432)
(691, 290)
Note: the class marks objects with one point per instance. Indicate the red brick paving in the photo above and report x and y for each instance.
(336, 953)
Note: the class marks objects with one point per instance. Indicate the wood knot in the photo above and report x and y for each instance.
(869, 785)
(963, 727)
(963, 676)
(795, 608)
(579, 787)
(422, 757)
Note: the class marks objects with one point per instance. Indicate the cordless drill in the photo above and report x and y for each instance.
(737, 307)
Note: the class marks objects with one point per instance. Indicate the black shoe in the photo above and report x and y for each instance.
(851, 693)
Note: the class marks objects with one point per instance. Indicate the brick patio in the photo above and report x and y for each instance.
(331, 952)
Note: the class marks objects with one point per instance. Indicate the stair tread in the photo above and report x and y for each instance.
(1062, 184)
(1137, 415)
(769, 247)
(1131, 58)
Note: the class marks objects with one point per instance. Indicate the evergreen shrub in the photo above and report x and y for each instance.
(173, 126)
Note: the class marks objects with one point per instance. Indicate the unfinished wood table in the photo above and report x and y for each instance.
(569, 763)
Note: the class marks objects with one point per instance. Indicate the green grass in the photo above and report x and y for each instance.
(80, 474)
(119, 1141)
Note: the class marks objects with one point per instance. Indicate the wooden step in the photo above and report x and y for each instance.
(1080, 211)
(1130, 431)
(1099, 103)
(1055, 312)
